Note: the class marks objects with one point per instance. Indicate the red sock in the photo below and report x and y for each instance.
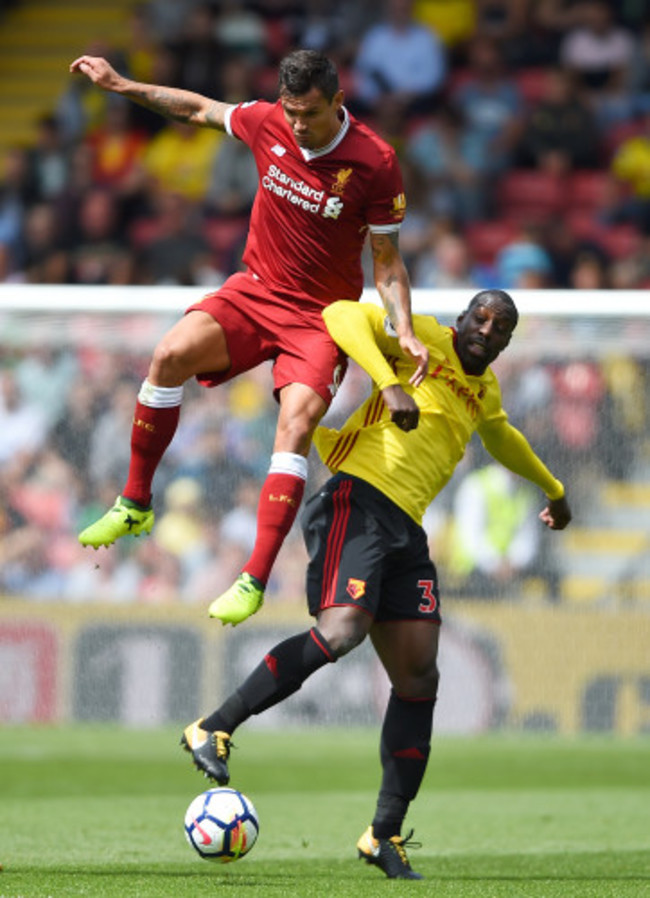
(278, 506)
(151, 434)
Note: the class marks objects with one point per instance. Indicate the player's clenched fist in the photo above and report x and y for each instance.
(99, 71)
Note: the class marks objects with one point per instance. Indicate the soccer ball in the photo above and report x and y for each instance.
(221, 825)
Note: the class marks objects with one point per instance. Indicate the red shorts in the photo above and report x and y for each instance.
(262, 326)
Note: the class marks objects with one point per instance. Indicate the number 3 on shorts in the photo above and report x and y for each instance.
(430, 603)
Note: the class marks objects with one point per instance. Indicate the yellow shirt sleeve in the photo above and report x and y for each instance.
(511, 448)
(358, 328)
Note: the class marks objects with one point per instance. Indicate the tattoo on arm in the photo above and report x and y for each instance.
(180, 105)
(168, 102)
(384, 247)
(392, 281)
(214, 115)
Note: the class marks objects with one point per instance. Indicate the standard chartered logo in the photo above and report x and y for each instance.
(299, 193)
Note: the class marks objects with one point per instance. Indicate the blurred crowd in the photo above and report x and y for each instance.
(523, 129)
(65, 419)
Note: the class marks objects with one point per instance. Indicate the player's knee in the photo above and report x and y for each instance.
(294, 433)
(343, 633)
(428, 681)
(421, 681)
(168, 361)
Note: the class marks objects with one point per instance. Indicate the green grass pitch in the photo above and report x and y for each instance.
(98, 811)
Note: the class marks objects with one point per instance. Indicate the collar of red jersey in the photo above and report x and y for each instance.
(334, 142)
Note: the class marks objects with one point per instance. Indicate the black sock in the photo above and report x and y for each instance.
(405, 746)
(281, 673)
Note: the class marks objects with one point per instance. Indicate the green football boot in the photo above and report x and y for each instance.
(120, 520)
(245, 597)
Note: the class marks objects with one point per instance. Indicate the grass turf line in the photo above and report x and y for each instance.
(97, 811)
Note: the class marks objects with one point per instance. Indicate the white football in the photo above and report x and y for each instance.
(221, 825)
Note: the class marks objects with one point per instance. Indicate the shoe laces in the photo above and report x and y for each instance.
(401, 843)
(222, 745)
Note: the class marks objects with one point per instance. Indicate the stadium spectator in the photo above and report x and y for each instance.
(240, 30)
(376, 577)
(639, 69)
(100, 253)
(43, 255)
(596, 49)
(490, 105)
(524, 262)
(453, 21)
(180, 158)
(589, 272)
(399, 63)
(496, 543)
(177, 251)
(296, 260)
(233, 177)
(48, 161)
(631, 166)
(182, 528)
(72, 434)
(447, 265)
(560, 133)
(197, 52)
(333, 28)
(23, 424)
(111, 429)
(44, 376)
(239, 524)
(14, 200)
(455, 168)
(504, 21)
(564, 247)
(116, 148)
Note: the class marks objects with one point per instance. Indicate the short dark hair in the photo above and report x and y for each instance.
(304, 69)
(484, 295)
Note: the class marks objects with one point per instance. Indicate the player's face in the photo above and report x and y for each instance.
(314, 120)
(484, 331)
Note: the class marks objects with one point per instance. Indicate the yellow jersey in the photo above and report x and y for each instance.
(412, 467)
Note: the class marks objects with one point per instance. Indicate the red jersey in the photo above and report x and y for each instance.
(313, 208)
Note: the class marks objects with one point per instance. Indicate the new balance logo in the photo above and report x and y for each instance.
(278, 150)
(333, 207)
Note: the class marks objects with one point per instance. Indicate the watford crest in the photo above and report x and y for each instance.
(356, 589)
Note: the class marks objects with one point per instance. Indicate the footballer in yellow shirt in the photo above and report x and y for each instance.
(457, 397)
(369, 571)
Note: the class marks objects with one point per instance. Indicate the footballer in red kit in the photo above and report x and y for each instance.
(326, 184)
(313, 207)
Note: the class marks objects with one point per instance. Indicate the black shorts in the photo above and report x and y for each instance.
(366, 552)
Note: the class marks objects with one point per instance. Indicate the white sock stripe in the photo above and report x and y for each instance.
(289, 463)
(160, 397)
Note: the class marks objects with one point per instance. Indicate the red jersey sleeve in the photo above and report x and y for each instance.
(246, 119)
(387, 202)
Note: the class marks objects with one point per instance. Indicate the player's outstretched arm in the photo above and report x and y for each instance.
(510, 447)
(180, 105)
(392, 282)
(557, 514)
